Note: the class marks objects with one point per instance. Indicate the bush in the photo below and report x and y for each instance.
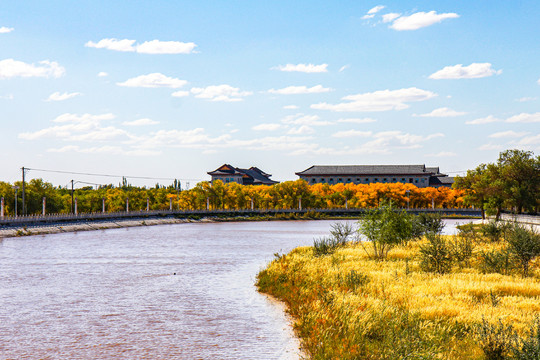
(340, 235)
(492, 230)
(524, 245)
(495, 340)
(435, 256)
(461, 250)
(425, 223)
(528, 348)
(495, 261)
(385, 228)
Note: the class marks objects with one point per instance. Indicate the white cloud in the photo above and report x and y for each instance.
(10, 68)
(301, 119)
(443, 112)
(382, 100)
(180, 93)
(153, 80)
(294, 90)
(140, 122)
(376, 9)
(530, 140)
(352, 133)
(490, 147)
(487, 120)
(5, 30)
(86, 127)
(290, 107)
(344, 67)
(305, 68)
(390, 17)
(524, 118)
(125, 45)
(302, 130)
(525, 99)
(107, 149)
(420, 19)
(508, 134)
(102, 74)
(7, 97)
(267, 127)
(56, 96)
(165, 47)
(443, 154)
(147, 47)
(220, 93)
(538, 81)
(368, 16)
(357, 121)
(473, 71)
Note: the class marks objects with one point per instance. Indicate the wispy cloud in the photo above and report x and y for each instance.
(442, 154)
(305, 68)
(302, 119)
(508, 134)
(180, 93)
(386, 18)
(140, 122)
(486, 120)
(5, 30)
(473, 71)
(371, 13)
(344, 67)
(220, 93)
(290, 107)
(351, 133)
(524, 118)
(295, 90)
(102, 74)
(10, 68)
(147, 47)
(420, 20)
(357, 120)
(382, 100)
(267, 127)
(443, 112)
(56, 96)
(153, 80)
(301, 130)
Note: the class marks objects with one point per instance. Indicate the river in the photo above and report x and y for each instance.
(183, 291)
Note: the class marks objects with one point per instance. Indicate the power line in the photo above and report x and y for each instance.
(108, 175)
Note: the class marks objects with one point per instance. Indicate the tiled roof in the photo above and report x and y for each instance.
(365, 170)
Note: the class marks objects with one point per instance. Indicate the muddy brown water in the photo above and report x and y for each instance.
(182, 291)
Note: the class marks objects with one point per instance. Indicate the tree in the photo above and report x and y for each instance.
(519, 173)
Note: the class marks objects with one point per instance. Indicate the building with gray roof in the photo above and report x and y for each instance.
(252, 176)
(418, 175)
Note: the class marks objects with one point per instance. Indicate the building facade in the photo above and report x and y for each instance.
(252, 176)
(418, 175)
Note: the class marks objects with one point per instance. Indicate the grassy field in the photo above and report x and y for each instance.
(348, 305)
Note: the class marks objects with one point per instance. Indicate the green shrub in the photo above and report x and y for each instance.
(435, 256)
(495, 261)
(495, 340)
(353, 280)
(524, 245)
(461, 250)
(385, 228)
(528, 348)
(424, 223)
(493, 231)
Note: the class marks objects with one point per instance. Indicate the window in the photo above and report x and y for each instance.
(340, 180)
(349, 180)
(313, 180)
(411, 180)
(358, 180)
(393, 179)
(375, 180)
(331, 181)
(384, 180)
(416, 181)
(402, 180)
(367, 180)
(322, 180)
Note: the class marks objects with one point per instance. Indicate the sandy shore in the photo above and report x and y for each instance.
(87, 226)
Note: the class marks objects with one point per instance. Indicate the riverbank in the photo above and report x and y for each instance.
(348, 305)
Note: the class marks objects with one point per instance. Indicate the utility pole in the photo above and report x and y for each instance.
(23, 193)
(72, 210)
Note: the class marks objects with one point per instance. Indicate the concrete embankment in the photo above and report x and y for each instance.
(86, 226)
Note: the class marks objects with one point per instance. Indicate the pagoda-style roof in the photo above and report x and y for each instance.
(251, 176)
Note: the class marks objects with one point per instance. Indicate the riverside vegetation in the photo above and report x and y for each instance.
(395, 288)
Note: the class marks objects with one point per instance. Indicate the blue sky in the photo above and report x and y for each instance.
(172, 89)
